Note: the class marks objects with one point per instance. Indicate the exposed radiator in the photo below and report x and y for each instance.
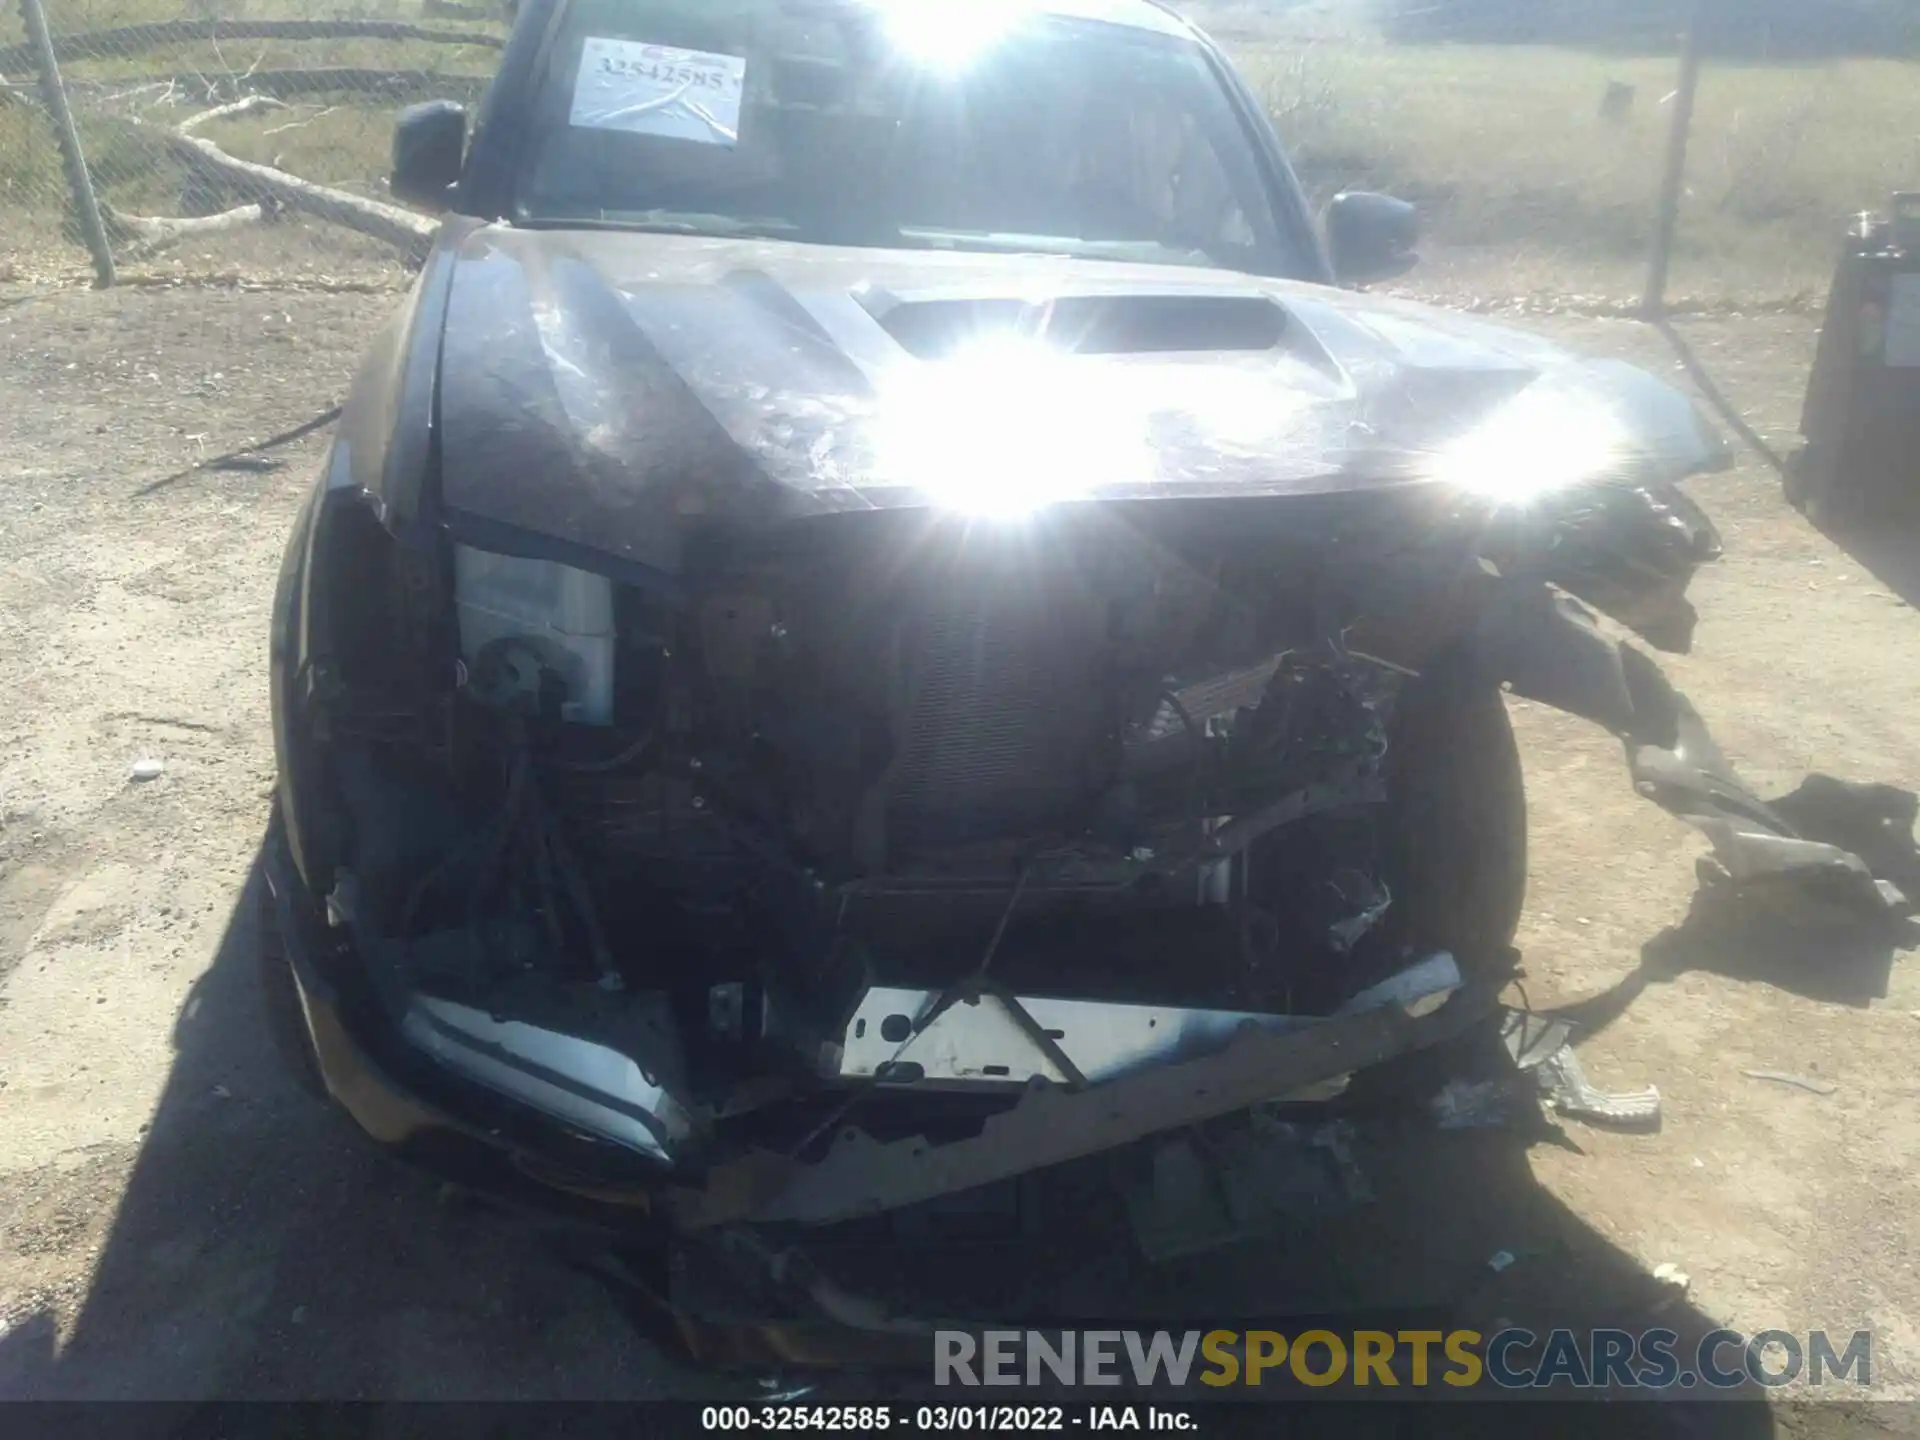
(1003, 729)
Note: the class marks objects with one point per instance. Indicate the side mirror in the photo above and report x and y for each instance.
(429, 151)
(1371, 237)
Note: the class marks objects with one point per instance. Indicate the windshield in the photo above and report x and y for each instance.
(900, 124)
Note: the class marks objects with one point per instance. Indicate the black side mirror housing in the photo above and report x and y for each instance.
(1370, 237)
(429, 152)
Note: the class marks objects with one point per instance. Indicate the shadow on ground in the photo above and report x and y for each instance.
(1841, 964)
(1889, 549)
(1837, 964)
(263, 1250)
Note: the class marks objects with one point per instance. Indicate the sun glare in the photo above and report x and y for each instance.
(1541, 441)
(949, 33)
(1006, 426)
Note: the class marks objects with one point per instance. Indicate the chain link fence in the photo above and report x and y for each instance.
(1533, 133)
(1537, 134)
(207, 128)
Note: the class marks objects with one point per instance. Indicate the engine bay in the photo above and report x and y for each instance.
(881, 856)
(911, 810)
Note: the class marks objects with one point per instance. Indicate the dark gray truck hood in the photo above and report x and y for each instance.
(622, 394)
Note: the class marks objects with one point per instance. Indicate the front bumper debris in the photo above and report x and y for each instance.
(860, 1175)
(594, 1085)
(1846, 850)
(988, 1041)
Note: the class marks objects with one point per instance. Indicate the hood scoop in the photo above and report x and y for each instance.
(1083, 324)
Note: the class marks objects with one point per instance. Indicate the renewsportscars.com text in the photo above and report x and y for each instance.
(1510, 1359)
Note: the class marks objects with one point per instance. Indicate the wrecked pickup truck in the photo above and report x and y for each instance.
(884, 617)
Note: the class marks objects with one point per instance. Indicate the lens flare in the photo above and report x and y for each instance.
(1005, 426)
(1541, 441)
(948, 34)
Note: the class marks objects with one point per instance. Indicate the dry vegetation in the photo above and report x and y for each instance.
(1504, 146)
(1507, 150)
(339, 138)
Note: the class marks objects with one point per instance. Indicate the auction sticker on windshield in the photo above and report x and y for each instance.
(659, 90)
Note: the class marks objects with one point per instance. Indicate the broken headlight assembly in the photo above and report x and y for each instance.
(527, 624)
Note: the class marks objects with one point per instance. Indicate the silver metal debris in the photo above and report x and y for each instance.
(1564, 1087)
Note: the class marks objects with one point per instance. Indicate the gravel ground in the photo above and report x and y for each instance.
(175, 1220)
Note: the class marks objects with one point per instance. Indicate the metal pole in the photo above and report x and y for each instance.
(54, 94)
(1674, 181)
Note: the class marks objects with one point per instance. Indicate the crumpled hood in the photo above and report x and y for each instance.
(624, 393)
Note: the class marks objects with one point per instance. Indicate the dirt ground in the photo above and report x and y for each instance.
(175, 1220)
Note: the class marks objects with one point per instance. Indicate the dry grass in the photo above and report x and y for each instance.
(336, 139)
(1506, 149)
(339, 139)
(1503, 146)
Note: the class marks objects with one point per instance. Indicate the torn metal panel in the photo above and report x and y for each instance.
(861, 1176)
(1550, 648)
(1419, 989)
(990, 1040)
(586, 1083)
(979, 1042)
(1565, 1087)
(1630, 550)
(1531, 1039)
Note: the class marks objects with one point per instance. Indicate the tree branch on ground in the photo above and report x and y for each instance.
(320, 113)
(146, 235)
(233, 459)
(235, 110)
(267, 191)
(247, 105)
